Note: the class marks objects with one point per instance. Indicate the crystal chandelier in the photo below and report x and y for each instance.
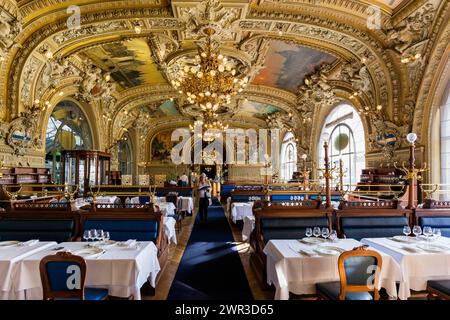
(211, 79)
(210, 121)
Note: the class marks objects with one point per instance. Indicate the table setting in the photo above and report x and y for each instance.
(296, 265)
(121, 266)
(422, 257)
(11, 253)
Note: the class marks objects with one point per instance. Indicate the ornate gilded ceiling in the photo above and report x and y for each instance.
(303, 56)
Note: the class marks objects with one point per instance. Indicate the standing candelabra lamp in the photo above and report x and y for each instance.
(305, 172)
(341, 175)
(327, 171)
(412, 174)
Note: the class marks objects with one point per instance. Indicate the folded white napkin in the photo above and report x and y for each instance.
(307, 252)
(411, 249)
(131, 243)
(29, 243)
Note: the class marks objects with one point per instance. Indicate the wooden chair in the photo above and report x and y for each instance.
(59, 273)
(356, 275)
(438, 289)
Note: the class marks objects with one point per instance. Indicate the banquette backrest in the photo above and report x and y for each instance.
(43, 221)
(435, 214)
(288, 220)
(125, 222)
(357, 220)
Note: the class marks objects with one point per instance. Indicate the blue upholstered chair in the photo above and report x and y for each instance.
(438, 289)
(359, 270)
(63, 276)
(440, 222)
(289, 228)
(23, 229)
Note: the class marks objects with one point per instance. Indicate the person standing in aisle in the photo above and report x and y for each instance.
(204, 192)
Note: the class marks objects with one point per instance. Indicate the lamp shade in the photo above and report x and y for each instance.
(411, 137)
(326, 136)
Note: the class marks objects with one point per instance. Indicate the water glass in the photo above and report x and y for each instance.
(309, 232)
(325, 233)
(317, 232)
(417, 231)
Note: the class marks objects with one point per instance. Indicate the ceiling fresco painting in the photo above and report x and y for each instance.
(256, 109)
(129, 62)
(287, 65)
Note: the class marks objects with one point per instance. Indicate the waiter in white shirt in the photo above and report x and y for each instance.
(184, 180)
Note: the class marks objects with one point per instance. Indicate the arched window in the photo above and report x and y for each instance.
(125, 156)
(288, 157)
(445, 144)
(67, 129)
(346, 142)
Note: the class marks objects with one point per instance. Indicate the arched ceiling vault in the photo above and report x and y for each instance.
(349, 56)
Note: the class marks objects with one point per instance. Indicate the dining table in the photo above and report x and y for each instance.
(11, 254)
(185, 204)
(297, 265)
(419, 258)
(121, 267)
(239, 210)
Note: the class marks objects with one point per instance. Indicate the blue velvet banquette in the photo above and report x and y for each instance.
(45, 222)
(435, 214)
(358, 220)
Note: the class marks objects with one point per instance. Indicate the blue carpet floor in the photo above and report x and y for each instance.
(210, 268)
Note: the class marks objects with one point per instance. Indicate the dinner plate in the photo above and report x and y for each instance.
(8, 243)
(89, 252)
(329, 251)
(404, 239)
(429, 247)
(313, 240)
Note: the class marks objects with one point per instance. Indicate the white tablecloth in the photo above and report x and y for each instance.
(239, 210)
(122, 270)
(290, 271)
(185, 204)
(167, 208)
(10, 258)
(169, 229)
(249, 225)
(417, 268)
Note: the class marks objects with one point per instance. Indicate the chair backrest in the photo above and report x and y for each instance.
(172, 198)
(63, 276)
(359, 271)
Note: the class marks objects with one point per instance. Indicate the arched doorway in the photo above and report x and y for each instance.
(67, 129)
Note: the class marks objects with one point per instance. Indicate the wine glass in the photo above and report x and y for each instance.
(417, 231)
(309, 232)
(427, 232)
(406, 230)
(325, 233)
(106, 236)
(317, 232)
(333, 235)
(86, 235)
(100, 235)
(436, 233)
